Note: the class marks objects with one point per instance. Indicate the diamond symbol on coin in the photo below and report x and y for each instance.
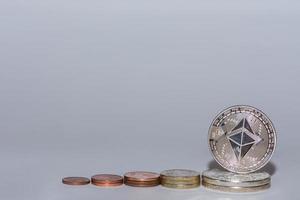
(242, 138)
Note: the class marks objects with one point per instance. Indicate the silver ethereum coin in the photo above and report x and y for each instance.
(242, 139)
(229, 179)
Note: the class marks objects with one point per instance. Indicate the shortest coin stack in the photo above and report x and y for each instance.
(141, 179)
(76, 180)
(180, 178)
(107, 180)
(231, 182)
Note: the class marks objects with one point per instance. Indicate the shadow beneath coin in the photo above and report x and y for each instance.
(269, 168)
(214, 165)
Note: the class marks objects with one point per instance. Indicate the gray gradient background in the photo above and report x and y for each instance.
(111, 86)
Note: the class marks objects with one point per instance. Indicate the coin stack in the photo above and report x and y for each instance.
(233, 182)
(107, 180)
(75, 180)
(141, 179)
(242, 140)
(180, 178)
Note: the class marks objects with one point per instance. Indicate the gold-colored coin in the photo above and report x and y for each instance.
(180, 186)
(180, 178)
(168, 181)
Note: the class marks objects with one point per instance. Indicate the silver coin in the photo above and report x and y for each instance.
(236, 189)
(242, 139)
(230, 179)
(180, 173)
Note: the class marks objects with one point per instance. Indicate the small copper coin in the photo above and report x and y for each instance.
(141, 179)
(76, 180)
(107, 180)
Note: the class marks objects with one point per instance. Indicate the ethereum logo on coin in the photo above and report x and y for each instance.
(242, 138)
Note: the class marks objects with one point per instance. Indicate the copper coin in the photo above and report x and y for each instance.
(141, 179)
(107, 184)
(107, 180)
(76, 180)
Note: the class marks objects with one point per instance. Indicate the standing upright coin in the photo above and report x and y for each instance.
(107, 180)
(76, 180)
(141, 179)
(242, 139)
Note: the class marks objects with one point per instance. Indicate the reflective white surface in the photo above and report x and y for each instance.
(93, 87)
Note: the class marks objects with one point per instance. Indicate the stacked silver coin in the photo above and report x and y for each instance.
(242, 140)
(233, 182)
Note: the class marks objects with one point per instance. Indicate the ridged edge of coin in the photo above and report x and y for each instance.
(75, 180)
(142, 184)
(234, 184)
(230, 179)
(107, 184)
(128, 177)
(236, 189)
(178, 178)
(167, 181)
(181, 186)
